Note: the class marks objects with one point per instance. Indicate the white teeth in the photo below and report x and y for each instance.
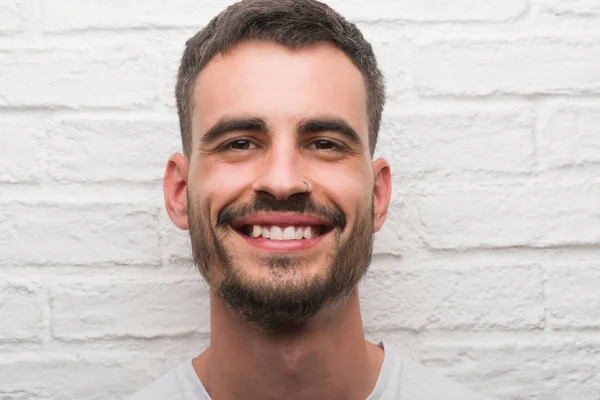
(276, 233)
(279, 233)
(289, 233)
(308, 233)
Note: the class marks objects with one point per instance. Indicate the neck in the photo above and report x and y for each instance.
(327, 359)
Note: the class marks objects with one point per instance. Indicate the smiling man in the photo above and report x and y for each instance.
(280, 104)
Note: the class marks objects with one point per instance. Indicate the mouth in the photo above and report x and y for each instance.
(281, 233)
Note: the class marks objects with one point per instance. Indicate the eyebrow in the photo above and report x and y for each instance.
(330, 124)
(305, 126)
(226, 125)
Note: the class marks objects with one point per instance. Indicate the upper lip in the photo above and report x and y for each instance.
(280, 219)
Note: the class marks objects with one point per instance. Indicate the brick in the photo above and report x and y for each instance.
(580, 7)
(458, 140)
(72, 15)
(68, 15)
(445, 298)
(172, 50)
(15, 15)
(94, 376)
(98, 149)
(572, 296)
(127, 309)
(64, 233)
(429, 11)
(392, 51)
(95, 76)
(519, 66)
(495, 217)
(569, 136)
(20, 146)
(542, 368)
(21, 313)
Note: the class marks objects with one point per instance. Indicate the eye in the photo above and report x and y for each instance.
(327, 145)
(239, 144)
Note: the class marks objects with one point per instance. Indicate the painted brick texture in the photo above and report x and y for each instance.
(486, 269)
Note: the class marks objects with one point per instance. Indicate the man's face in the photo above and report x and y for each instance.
(282, 196)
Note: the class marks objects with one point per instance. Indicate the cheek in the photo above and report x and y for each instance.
(222, 184)
(349, 188)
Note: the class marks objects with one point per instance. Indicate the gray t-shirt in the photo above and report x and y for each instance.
(399, 379)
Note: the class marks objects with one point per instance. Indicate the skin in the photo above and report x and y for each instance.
(328, 357)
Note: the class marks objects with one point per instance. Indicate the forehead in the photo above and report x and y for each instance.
(281, 85)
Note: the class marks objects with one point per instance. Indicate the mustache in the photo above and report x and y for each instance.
(300, 203)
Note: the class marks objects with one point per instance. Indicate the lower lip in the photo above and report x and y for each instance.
(283, 245)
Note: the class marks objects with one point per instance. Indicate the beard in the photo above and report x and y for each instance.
(280, 303)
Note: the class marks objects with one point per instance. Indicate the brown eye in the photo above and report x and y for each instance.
(241, 144)
(326, 145)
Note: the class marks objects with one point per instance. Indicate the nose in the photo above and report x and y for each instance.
(281, 172)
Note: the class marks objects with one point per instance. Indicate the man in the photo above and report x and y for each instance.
(280, 104)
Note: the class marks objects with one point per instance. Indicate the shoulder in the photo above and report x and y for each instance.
(418, 382)
(403, 379)
(171, 386)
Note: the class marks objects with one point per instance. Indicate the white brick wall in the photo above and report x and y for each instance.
(487, 268)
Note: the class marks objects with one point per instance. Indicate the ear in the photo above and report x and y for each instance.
(382, 192)
(175, 190)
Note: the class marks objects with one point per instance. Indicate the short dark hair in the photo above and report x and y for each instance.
(292, 23)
